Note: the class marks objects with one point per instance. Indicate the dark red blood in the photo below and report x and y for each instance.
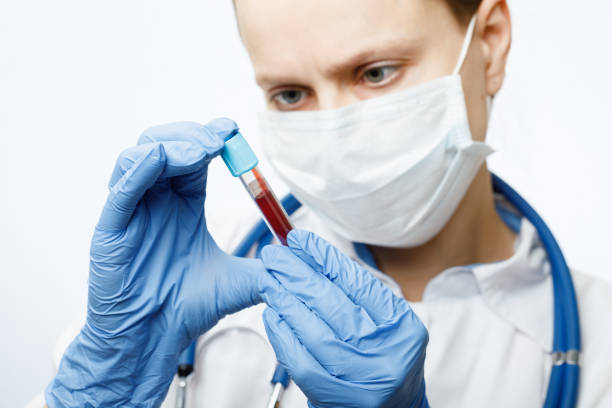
(274, 214)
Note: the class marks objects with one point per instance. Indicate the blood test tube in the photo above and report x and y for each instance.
(271, 209)
(242, 163)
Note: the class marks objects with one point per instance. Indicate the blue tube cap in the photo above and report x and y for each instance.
(280, 376)
(238, 156)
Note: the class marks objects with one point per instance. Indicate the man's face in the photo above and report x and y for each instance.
(325, 54)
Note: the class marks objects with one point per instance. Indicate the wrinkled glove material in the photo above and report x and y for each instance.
(157, 279)
(345, 339)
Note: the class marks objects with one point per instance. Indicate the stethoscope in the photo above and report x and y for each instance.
(565, 372)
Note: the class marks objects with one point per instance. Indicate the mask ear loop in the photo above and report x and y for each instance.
(466, 45)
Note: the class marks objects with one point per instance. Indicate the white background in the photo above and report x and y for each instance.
(79, 81)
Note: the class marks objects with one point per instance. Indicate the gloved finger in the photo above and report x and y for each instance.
(239, 285)
(313, 332)
(127, 192)
(349, 321)
(191, 140)
(302, 367)
(188, 131)
(181, 158)
(235, 285)
(355, 281)
(186, 167)
(210, 134)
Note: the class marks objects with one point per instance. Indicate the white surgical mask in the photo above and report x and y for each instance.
(387, 171)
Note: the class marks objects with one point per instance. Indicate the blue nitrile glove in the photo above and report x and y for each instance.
(157, 280)
(345, 338)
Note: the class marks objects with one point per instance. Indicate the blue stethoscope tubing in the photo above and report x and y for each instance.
(564, 377)
(565, 373)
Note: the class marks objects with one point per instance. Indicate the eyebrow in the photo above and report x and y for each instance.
(358, 58)
(263, 79)
(352, 61)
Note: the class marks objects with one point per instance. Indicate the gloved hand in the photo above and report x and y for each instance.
(157, 280)
(345, 339)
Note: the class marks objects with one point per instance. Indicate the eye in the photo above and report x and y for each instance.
(288, 97)
(379, 75)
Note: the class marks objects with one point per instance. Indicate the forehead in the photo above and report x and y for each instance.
(292, 35)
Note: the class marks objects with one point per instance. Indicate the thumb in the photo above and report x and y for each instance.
(224, 284)
(240, 286)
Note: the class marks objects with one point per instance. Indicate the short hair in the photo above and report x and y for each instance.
(462, 9)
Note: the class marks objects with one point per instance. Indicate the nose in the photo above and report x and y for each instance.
(332, 96)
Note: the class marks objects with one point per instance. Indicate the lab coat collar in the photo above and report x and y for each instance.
(519, 289)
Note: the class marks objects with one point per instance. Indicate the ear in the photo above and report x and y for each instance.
(494, 30)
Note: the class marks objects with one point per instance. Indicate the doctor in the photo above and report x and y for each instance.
(418, 286)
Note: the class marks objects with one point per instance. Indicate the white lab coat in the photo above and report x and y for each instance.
(490, 335)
